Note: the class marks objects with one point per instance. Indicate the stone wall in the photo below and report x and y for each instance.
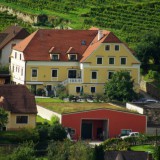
(150, 89)
(25, 17)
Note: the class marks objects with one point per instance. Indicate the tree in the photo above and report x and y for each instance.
(147, 51)
(156, 153)
(3, 118)
(68, 150)
(57, 132)
(25, 151)
(120, 87)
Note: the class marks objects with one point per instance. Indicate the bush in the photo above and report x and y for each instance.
(40, 92)
(43, 132)
(57, 132)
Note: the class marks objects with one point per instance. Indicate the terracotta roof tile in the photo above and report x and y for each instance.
(13, 32)
(36, 47)
(17, 99)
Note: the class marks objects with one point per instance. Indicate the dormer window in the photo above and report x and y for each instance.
(72, 57)
(54, 57)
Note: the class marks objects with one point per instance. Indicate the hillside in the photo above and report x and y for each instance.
(128, 19)
(8, 20)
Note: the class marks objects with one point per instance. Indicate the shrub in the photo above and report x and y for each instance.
(57, 132)
(40, 92)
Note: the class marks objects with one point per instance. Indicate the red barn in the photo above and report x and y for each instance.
(93, 124)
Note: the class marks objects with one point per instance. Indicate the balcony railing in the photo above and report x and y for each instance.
(71, 80)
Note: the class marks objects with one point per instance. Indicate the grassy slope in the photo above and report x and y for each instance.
(146, 148)
(125, 18)
(67, 107)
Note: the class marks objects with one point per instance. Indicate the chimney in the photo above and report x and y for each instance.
(100, 34)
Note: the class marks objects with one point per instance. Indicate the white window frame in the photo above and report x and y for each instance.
(110, 72)
(118, 47)
(108, 46)
(96, 75)
(22, 116)
(79, 89)
(32, 72)
(73, 55)
(121, 60)
(94, 88)
(54, 55)
(101, 59)
(109, 60)
(52, 73)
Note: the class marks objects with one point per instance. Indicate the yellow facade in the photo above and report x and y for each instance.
(13, 125)
(44, 72)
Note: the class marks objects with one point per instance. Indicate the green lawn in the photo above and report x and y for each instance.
(67, 107)
(41, 120)
(146, 148)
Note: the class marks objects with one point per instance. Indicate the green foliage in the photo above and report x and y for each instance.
(148, 49)
(3, 118)
(68, 150)
(115, 144)
(40, 92)
(4, 69)
(57, 132)
(43, 132)
(124, 18)
(156, 153)
(54, 120)
(60, 90)
(152, 75)
(23, 152)
(120, 87)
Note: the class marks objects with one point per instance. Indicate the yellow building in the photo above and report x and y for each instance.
(74, 58)
(20, 105)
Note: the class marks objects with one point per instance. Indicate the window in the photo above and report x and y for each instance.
(54, 73)
(125, 132)
(111, 60)
(72, 74)
(73, 57)
(20, 56)
(99, 60)
(116, 47)
(123, 60)
(15, 54)
(34, 72)
(13, 68)
(110, 74)
(94, 75)
(107, 47)
(78, 89)
(93, 89)
(22, 119)
(55, 57)
(21, 71)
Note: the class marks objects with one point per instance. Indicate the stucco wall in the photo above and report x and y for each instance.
(12, 125)
(117, 120)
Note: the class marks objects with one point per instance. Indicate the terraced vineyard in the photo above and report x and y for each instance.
(128, 19)
(8, 20)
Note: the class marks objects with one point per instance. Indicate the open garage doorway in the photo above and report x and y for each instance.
(94, 129)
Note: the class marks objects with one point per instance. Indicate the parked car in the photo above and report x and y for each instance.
(145, 100)
(131, 134)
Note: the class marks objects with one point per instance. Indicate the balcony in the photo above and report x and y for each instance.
(71, 80)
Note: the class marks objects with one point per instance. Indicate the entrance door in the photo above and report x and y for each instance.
(72, 73)
(49, 89)
(86, 132)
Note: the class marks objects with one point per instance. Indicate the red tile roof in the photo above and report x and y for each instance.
(40, 44)
(17, 99)
(36, 47)
(13, 32)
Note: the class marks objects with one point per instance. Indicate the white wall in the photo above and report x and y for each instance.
(6, 51)
(133, 107)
